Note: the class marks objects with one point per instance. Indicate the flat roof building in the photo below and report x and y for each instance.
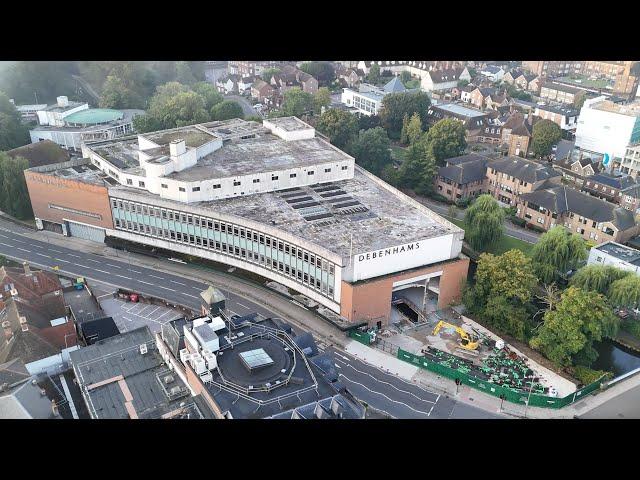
(270, 198)
(616, 255)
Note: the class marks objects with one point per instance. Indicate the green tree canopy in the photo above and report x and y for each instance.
(566, 337)
(341, 127)
(557, 252)
(373, 76)
(545, 134)
(396, 105)
(226, 110)
(13, 133)
(115, 94)
(625, 292)
(371, 150)
(413, 130)
(321, 71)
(322, 98)
(296, 102)
(14, 196)
(365, 122)
(503, 291)
(484, 220)
(209, 94)
(598, 278)
(173, 105)
(268, 73)
(418, 168)
(447, 139)
(405, 77)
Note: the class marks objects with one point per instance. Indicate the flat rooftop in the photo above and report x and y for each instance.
(621, 252)
(191, 135)
(81, 170)
(264, 153)
(630, 109)
(83, 305)
(289, 124)
(330, 214)
(127, 117)
(63, 108)
(460, 110)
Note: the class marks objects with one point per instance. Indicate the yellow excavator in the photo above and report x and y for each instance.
(468, 341)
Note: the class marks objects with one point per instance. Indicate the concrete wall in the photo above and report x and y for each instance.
(46, 190)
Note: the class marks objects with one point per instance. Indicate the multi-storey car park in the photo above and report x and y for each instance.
(273, 199)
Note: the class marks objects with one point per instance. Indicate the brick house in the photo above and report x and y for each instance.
(524, 81)
(561, 93)
(510, 177)
(595, 220)
(33, 315)
(262, 91)
(517, 133)
(462, 177)
(490, 133)
(631, 198)
(290, 77)
(607, 186)
(575, 170)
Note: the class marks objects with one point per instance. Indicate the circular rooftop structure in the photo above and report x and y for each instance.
(94, 116)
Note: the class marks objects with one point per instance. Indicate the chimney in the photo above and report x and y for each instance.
(177, 147)
(27, 270)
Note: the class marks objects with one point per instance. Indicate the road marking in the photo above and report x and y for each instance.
(43, 255)
(142, 281)
(60, 260)
(127, 318)
(341, 356)
(128, 278)
(179, 283)
(134, 271)
(23, 249)
(114, 266)
(243, 306)
(188, 295)
(390, 384)
(155, 276)
(167, 288)
(57, 251)
(94, 261)
(7, 245)
(385, 396)
(102, 271)
(73, 255)
(152, 312)
(105, 295)
(37, 246)
(82, 266)
(337, 366)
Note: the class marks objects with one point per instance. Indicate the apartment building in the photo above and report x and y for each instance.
(566, 118)
(462, 177)
(510, 177)
(561, 93)
(608, 186)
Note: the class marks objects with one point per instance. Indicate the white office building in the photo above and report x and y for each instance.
(615, 255)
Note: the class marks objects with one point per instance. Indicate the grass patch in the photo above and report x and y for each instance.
(506, 242)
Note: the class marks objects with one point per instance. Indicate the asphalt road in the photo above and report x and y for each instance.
(395, 396)
(625, 405)
(382, 391)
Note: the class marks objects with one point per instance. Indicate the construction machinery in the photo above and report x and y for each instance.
(468, 341)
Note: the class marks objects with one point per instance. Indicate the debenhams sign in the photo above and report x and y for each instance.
(389, 252)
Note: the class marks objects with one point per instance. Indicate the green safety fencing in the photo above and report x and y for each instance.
(362, 337)
(511, 395)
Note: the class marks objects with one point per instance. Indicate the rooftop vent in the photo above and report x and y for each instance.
(143, 349)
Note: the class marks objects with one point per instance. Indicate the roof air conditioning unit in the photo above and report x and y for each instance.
(143, 349)
(14, 292)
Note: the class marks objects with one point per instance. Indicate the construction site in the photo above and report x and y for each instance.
(449, 339)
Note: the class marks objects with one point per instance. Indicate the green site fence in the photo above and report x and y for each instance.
(510, 395)
(362, 337)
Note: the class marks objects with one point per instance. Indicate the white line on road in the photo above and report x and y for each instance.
(243, 306)
(37, 246)
(341, 356)
(105, 295)
(94, 261)
(337, 366)
(23, 249)
(155, 276)
(192, 296)
(82, 266)
(167, 288)
(57, 251)
(102, 271)
(73, 255)
(134, 271)
(390, 384)
(380, 393)
(60, 260)
(152, 312)
(128, 278)
(179, 283)
(42, 255)
(114, 266)
(142, 281)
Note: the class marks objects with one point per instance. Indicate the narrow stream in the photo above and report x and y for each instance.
(616, 359)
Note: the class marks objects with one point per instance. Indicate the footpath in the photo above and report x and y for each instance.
(332, 336)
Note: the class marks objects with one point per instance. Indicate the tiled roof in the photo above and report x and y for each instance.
(522, 169)
(466, 169)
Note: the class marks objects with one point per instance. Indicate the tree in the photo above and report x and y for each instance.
(598, 278)
(484, 221)
(405, 77)
(545, 134)
(365, 122)
(173, 105)
(404, 137)
(579, 101)
(463, 83)
(371, 150)
(296, 102)
(13, 133)
(26, 81)
(373, 76)
(447, 139)
(184, 74)
(418, 169)
(321, 71)
(268, 73)
(14, 197)
(625, 292)
(396, 105)
(341, 127)
(414, 129)
(115, 94)
(557, 252)
(226, 110)
(503, 291)
(209, 94)
(568, 332)
(322, 98)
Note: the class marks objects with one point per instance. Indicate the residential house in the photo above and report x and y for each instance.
(493, 72)
(472, 119)
(517, 133)
(263, 92)
(565, 117)
(608, 186)
(490, 133)
(631, 198)
(228, 84)
(478, 96)
(554, 68)
(445, 79)
(497, 100)
(561, 93)
(524, 81)
(466, 93)
(33, 316)
(462, 177)
(510, 177)
(244, 84)
(595, 220)
(576, 170)
(348, 77)
(21, 397)
(290, 77)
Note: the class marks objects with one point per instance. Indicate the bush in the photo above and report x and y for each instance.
(439, 198)
(535, 228)
(587, 376)
(520, 222)
(631, 326)
(463, 202)
(510, 211)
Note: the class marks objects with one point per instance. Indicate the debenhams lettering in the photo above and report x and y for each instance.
(389, 251)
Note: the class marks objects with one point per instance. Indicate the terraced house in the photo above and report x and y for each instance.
(510, 177)
(463, 177)
(596, 220)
